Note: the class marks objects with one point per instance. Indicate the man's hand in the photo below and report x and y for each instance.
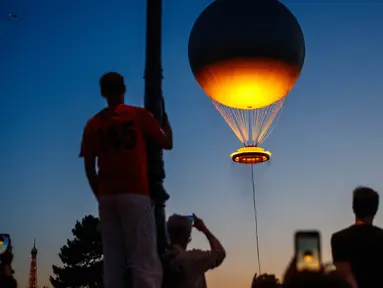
(163, 106)
(199, 224)
(7, 257)
(91, 174)
(165, 121)
(291, 270)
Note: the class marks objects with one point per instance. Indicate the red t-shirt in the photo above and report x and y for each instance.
(117, 138)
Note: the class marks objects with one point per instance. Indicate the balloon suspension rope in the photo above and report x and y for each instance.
(256, 220)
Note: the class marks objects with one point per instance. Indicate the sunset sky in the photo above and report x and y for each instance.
(327, 141)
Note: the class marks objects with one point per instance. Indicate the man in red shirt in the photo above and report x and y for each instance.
(116, 137)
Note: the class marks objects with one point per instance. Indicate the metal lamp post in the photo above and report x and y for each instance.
(154, 103)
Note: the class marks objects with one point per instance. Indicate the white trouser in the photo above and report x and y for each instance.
(129, 235)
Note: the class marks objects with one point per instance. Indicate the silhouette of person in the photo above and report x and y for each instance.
(116, 138)
(357, 251)
(193, 264)
(312, 279)
(6, 272)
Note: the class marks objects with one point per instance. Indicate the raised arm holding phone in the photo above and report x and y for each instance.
(196, 262)
(6, 257)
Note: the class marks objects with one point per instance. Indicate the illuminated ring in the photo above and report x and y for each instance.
(251, 155)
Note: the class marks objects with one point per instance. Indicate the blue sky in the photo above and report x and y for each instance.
(327, 140)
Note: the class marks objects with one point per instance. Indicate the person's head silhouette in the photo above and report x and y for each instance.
(179, 230)
(113, 88)
(365, 204)
(265, 281)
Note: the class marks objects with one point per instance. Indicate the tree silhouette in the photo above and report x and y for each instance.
(81, 257)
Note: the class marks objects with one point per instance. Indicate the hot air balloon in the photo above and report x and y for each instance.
(247, 55)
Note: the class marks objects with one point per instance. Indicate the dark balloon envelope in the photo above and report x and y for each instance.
(258, 42)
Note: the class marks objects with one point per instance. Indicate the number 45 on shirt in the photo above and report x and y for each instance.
(118, 137)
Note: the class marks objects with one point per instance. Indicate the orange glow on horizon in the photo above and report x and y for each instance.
(247, 83)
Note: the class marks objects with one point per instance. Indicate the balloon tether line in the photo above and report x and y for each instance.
(256, 220)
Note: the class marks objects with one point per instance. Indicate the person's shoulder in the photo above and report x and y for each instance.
(95, 120)
(196, 253)
(134, 110)
(189, 258)
(355, 230)
(378, 230)
(173, 249)
(343, 233)
(138, 109)
(131, 108)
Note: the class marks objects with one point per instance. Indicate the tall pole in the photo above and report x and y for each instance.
(32, 282)
(154, 103)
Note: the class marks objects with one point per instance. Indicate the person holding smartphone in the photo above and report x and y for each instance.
(6, 257)
(115, 138)
(193, 264)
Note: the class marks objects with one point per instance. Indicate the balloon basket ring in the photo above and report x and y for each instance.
(251, 155)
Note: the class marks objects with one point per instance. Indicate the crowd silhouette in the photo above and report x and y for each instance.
(128, 224)
(115, 141)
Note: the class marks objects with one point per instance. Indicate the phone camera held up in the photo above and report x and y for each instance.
(308, 251)
(5, 247)
(191, 219)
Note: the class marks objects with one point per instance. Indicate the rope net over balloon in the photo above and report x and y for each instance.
(252, 127)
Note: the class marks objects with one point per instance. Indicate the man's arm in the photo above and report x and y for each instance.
(6, 274)
(202, 261)
(91, 174)
(162, 137)
(8, 282)
(89, 155)
(215, 245)
(168, 130)
(340, 260)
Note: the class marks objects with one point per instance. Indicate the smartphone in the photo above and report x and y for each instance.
(5, 242)
(308, 250)
(191, 218)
